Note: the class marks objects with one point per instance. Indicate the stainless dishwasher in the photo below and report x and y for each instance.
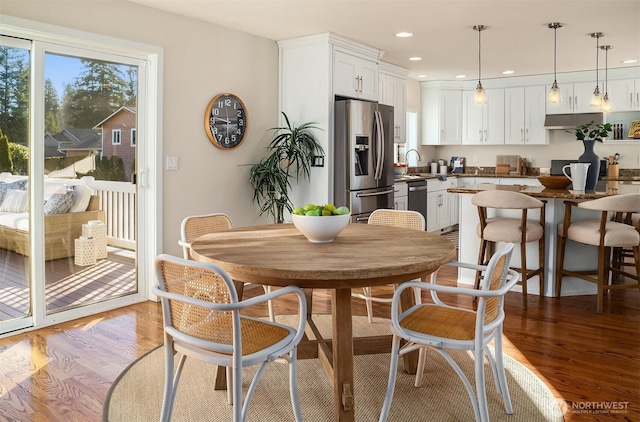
(417, 200)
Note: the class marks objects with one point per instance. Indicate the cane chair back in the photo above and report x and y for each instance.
(195, 226)
(395, 218)
(202, 320)
(443, 326)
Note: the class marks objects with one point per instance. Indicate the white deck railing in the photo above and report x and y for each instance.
(118, 200)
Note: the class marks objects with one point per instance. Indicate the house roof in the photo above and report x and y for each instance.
(123, 108)
(72, 139)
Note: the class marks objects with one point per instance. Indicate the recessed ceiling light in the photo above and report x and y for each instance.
(404, 34)
(507, 72)
(461, 76)
(629, 61)
(422, 76)
(415, 59)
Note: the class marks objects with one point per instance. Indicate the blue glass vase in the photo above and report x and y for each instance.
(590, 157)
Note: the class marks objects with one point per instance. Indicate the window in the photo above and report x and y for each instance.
(116, 137)
(133, 137)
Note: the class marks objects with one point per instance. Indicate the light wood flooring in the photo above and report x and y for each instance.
(63, 373)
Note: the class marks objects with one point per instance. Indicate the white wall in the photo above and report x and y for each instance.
(200, 61)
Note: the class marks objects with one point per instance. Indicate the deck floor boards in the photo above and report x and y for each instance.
(67, 285)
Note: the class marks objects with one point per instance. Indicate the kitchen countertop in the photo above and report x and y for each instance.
(603, 188)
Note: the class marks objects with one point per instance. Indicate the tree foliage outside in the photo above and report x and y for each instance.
(97, 92)
(109, 168)
(6, 162)
(20, 158)
(99, 89)
(14, 94)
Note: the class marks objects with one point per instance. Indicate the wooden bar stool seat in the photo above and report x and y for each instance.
(519, 230)
(616, 230)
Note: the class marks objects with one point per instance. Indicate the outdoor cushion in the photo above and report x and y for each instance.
(15, 201)
(59, 203)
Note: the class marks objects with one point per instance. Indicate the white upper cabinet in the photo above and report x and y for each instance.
(574, 98)
(355, 77)
(441, 116)
(524, 115)
(483, 124)
(624, 94)
(393, 92)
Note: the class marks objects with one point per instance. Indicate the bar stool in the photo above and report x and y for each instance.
(620, 232)
(510, 229)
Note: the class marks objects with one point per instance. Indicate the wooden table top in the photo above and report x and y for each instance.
(362, 255)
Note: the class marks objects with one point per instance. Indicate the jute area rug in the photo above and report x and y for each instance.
(137, 394)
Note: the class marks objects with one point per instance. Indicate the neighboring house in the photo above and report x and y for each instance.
(119, 137)
(72, 143)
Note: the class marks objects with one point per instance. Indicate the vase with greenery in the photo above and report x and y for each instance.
(589, 134)
(291, 153)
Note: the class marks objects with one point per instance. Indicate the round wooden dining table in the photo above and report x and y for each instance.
(361, 255)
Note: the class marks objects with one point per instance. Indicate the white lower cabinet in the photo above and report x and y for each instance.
(400, 196)
(442, 206)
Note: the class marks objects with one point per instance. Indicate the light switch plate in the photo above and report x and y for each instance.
(172, 163)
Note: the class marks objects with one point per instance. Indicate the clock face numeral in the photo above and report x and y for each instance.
(226, 121)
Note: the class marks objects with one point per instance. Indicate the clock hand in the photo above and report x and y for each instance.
(224, 120)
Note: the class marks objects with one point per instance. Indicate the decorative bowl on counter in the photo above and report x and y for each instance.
(555, 182)
(321, 229)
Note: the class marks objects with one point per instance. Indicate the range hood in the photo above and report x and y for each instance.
(571, 121)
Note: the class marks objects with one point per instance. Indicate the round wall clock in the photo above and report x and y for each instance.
(225, 121)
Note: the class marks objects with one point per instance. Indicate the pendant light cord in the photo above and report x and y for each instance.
(597, 55)
(479, 56)
(555, 50)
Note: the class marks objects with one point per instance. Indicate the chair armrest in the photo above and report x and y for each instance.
(184, 244)
(512, 278)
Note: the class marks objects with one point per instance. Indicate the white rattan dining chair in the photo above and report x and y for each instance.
(195, 226)
(442, 326)
(396, 218)
(201, 314)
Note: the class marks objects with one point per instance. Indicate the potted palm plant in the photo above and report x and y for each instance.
(291, 153)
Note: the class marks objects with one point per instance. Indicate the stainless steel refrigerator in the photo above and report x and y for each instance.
(363, 157)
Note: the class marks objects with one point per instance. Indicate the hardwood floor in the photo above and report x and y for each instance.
(63, 373)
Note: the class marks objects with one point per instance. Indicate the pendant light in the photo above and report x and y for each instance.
(606, 106)
(554, 92)
(480, 97)
(596, 99)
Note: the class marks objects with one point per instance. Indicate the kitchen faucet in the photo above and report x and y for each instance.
(406, 154)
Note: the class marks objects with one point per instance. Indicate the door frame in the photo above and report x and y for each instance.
(149, 153)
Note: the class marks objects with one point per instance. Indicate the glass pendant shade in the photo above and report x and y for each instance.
(554, 93)
(606, 106)
(480, 97)
(596, 99)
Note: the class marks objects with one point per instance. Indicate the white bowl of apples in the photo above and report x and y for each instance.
(321, 223)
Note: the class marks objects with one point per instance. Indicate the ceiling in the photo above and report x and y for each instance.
(517, 38)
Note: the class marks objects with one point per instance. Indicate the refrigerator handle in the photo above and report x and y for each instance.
(379, 141)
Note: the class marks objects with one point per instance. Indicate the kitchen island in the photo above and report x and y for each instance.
(577, 257)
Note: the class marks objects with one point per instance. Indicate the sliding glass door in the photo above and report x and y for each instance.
(15, 212)
(68, 199)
